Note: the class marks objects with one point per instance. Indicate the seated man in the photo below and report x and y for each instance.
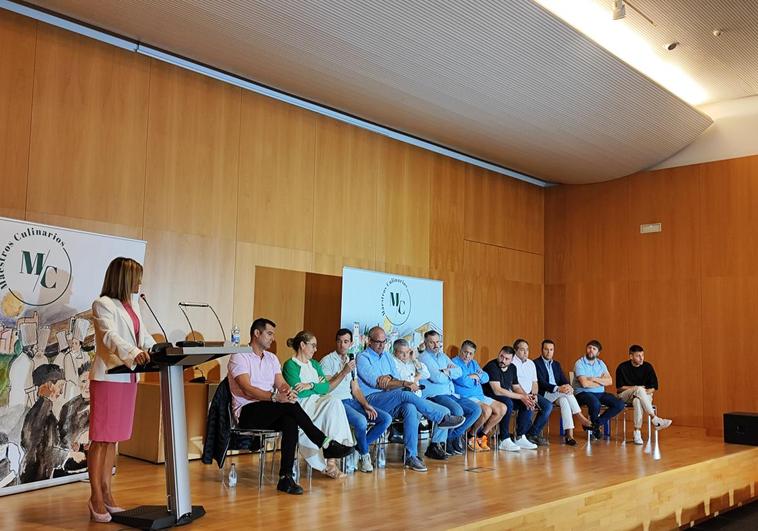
(635, 382)
(590, 378)
(262, 399)
(469, 385)
(527, 379)
(383, 388)
(555, 387)
(439, 388)
(503, 387)
(340, 371)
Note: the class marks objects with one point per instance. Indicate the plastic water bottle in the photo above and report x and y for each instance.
(235, 335)
(350, 464)
(233, 476)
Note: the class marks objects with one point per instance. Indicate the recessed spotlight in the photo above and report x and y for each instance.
(717, 32)
(672, 45)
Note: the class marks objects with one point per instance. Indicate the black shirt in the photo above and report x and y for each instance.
(506, 378)
(629, 375)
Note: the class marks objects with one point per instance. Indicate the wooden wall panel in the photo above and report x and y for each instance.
(277, 154)
(187, 267)
(192, 157)
(729, 337)
(322, 312)
(280, 296)
(730, 217)
(18, 38)
(404, 201)
(349, 165)
(500, 262)
(670, 197)
(89, 130)
(503, 212)
(447, 196)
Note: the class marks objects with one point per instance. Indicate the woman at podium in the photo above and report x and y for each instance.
(120, 339)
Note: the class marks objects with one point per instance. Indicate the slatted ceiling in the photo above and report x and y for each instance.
(727, 66)
(506, 82)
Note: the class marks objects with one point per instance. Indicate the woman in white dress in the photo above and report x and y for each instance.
(306, 377)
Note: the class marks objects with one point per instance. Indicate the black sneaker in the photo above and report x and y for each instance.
(539, 440)
(336, 450)
(451, 421)
(288, 485)
(570, 441)
(454, 447)
(435, 451)
(415, 464)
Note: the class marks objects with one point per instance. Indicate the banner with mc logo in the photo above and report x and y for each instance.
(405, 307)
(49, 277)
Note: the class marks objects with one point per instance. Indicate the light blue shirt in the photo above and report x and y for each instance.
(371, 366)
(591, 369)
(439, 383)
(464, 384)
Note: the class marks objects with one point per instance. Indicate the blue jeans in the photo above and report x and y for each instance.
(546, 407)
(406, 405)
(358, 420)
(457, 406)
(523, 420)
(593, 401)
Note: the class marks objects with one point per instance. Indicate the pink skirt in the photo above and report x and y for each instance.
(111, 412)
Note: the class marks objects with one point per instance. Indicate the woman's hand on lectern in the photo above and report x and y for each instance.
(142, 357)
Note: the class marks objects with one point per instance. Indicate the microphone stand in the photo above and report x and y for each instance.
(158, 347)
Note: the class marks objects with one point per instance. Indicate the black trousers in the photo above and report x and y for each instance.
(286, 418)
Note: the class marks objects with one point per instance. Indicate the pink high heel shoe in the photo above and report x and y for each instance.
(100, 518)
(114, 509)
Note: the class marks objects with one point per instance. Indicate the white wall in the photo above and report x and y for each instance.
(734, 133)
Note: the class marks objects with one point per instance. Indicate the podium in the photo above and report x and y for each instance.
(170, 362)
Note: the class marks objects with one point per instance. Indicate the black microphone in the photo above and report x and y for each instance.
(351, 357)
(158, 347)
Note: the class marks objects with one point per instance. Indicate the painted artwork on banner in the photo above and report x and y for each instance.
(49, 277)
(405, 307)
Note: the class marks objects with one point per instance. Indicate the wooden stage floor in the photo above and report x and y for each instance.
(558, 487)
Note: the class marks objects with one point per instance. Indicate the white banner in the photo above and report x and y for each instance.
(49, 277)
(405, 307)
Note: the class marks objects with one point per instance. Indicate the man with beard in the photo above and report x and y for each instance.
(590, 378)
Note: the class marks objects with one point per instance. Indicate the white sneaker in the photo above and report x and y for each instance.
(508, 445)
(364, 463)
(523, 442)
(638, 437)
(661, 424)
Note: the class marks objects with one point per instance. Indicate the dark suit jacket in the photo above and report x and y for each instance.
(560, 378)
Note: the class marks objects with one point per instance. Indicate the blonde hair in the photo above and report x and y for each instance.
(303, 336)
(121, 278)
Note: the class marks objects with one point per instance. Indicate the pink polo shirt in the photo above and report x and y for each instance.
(262, 371)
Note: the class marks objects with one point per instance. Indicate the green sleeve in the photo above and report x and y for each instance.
(291, 372)
(322, 387)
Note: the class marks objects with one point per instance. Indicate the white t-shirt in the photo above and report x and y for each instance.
(527, 373)
(332, 364)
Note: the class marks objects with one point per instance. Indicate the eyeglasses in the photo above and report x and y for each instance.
(314, 345)
(378, 341)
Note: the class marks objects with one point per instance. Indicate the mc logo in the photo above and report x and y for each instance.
(396, 301)
(35, 266)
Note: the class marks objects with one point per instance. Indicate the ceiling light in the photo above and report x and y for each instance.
(621, 40)
(672, 45)
(619, 9)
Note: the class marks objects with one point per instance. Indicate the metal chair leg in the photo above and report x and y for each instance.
(623, 442)
(649, 435)
(657, 450)
(261, 462)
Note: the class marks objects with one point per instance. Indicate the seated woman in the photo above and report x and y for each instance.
(326, 411)
(407, 363)
(469, 385)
